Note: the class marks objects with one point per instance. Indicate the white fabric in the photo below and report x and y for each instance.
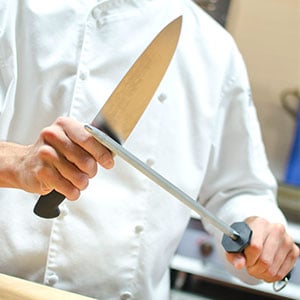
(64, 57)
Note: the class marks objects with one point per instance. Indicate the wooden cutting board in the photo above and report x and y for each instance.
(12, 288)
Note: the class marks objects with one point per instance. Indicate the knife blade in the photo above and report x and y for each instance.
(128, 101)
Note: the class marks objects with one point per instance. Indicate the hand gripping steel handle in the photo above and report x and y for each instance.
(241, 242)
(236, 237)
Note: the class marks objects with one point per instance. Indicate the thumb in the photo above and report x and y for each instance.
(238, 260)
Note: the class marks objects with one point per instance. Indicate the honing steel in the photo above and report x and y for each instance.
(236, 237)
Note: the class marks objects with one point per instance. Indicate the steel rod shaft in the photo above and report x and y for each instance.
(161, 181)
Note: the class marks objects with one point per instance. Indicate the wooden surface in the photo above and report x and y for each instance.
(12, 288)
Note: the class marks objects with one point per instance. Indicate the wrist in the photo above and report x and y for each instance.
(11, 157)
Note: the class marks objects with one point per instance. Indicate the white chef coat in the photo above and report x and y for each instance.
(64, 58)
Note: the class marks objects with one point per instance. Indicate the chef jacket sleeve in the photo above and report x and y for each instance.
(238, 182)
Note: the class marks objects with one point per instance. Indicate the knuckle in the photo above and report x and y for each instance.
(44, 187)
(45, 152)
(43, 176)
(86, 140)
(295, 253)
(280, 275)
(43, 172)
(270, 273)
(67, 188)
(268, 279)
(288, 244)
(251, 272)
(265, 263)
(76, 179)
(71, 193)
(279, 228)
(82, 181)
(89, 166)
(106, 160)
(255, 273)
(47, 133)
(60, 121)
(255, 248)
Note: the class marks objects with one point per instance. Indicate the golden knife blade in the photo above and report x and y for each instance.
(128, 101)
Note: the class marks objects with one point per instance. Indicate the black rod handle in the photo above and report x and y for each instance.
(47, 205)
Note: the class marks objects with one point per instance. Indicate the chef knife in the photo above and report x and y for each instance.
(236, 237)
(128, 101)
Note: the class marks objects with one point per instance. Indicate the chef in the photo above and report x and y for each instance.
(59, 62)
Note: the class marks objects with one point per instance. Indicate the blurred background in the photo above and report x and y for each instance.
(267, 33)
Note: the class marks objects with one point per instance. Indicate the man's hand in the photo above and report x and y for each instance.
(63, 158)
(271, 254)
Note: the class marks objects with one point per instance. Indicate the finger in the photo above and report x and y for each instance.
(278, 271)
(70, 172)
(277, 258)
(289, 262)
(281, 256)
(58, 160)
(270, 254)
(64, 169)
(49, 175)
(254, 249)
(260, 257)
(100, 153)
(64, 187)
(261, 229)
(57, 138)
(237, 260)
(76, 132)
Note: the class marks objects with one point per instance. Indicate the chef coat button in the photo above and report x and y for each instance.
(52, 279)
(150, 162)
(125, 296)
(84, 73)
(162, 97)
(138, 229)
(99, 23)
(97, 13)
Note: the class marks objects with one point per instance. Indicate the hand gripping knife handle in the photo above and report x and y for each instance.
(47, 206)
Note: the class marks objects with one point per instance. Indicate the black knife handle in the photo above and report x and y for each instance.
(238, 246)
(47, 205)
